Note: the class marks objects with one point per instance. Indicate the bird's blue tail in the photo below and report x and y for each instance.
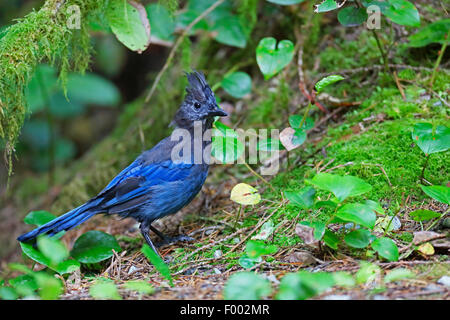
(65, 222)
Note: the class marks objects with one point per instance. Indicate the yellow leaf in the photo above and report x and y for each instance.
(244, 194)
(426, 249)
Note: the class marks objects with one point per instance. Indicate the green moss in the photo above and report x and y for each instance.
(42, 35)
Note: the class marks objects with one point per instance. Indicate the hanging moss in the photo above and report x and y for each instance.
(41, 36)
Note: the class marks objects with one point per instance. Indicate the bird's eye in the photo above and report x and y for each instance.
(196, 105)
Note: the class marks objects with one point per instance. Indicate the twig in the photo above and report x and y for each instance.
(260, 223)
(177, 44)
(438, 61)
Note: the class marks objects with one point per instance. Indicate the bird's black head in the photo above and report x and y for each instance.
(199, 104)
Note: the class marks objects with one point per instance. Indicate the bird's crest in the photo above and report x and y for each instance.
(198, 88)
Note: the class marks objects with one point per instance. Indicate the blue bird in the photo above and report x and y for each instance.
(154, 185)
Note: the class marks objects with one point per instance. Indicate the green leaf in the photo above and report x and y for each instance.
(237, 84)
(352, 16)
(318, 226)
(422, 215)
(94, 246)
(286, 2)
(269, 145)
(246, 262)
(25, 285)
(128, 21)
(39, 217)
(7, 293)
(375, 206)
(104, 290)
(398, 274)
(139, 286)
(367, 272)
(304, 285)
(52, 249)
(386, 248)
(331, 239)
(156, 260)
(271, 58)
(326, 5)
(229, 31)
(439, 193)
(161, 21)
(358, 213)
(403, 12)
(358, 238)
(256, 249)
(92, 89)
(304, 198)
(266, 230)
(299, 137)
(35, 254)
(44, 78)
(61, 108)
(343, 279)
(246, 286)
(50, 288)
(67, 266)
(341, 186)
(325, 82)
(431, 142)
(296, 119)
(435, 32)
(226, 146)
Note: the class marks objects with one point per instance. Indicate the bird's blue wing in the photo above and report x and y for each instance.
(135, 181)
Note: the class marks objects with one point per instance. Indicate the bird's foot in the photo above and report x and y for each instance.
(171, 240)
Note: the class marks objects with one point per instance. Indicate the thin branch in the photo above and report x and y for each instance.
(177, 44)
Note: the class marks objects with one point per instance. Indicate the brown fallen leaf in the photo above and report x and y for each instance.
(425, 236)
(286, 138)
(300, 257)
(306, 234)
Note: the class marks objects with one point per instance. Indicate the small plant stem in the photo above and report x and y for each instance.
(259, 176)
(438, 61)
(437, 220)
(238, 217)
(305, 115)
(422, 176)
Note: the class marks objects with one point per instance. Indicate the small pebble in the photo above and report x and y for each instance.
(379, 297)
(432, 287)
(273, 279)
(217, 254)
(445, 280)
(217, 271)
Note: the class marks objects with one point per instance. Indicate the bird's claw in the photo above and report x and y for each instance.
(172, 240)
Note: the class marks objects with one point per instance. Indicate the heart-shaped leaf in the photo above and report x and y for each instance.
(296, 119)
(431, 142)
(255, 249)
(341, 186)
(94, 246)
(229, 31)
(327, 5)
(53, 249)
(163, 24)
(358, 213)
(352, 16)
(403, 12)
(303, 198)
(237, 84)
(386, 248)
(128, 21)
(359, 238)
(331, 239)
(304, 285)
(272, 58)
(439, 193)
(245, 194)
(269, 145)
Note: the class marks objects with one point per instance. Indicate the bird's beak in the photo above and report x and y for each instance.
(217, 112)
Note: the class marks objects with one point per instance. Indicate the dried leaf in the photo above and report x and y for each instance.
(426, 249)
(301, 257)
(245, 194)
(305, 233)
(286, 139)
(425, 236)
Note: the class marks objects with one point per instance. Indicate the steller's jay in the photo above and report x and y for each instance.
(153, 186)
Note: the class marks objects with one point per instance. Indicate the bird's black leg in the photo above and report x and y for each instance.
(144, 230)
(168, 240)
